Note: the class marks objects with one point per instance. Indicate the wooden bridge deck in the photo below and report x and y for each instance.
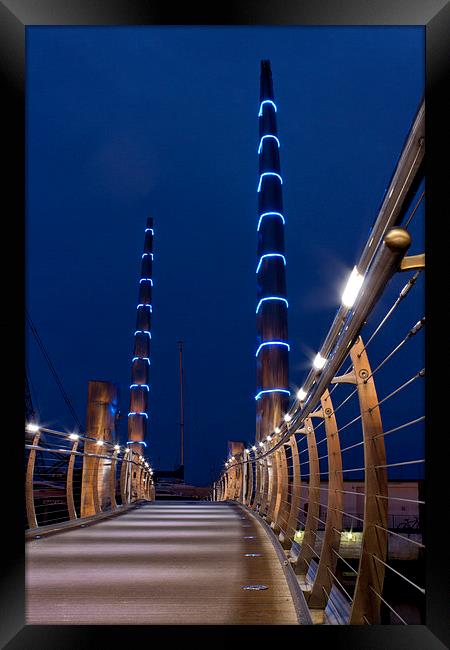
(163, 563)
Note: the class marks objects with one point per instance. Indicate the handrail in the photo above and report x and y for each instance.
(99, 482)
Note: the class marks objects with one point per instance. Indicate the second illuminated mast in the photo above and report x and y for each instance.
(272, 347)
(140, 368)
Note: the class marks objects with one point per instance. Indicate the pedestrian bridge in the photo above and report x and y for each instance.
(269, 544)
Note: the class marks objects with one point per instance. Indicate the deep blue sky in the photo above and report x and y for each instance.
(129, 122)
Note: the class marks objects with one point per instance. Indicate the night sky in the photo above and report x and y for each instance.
(123, 123)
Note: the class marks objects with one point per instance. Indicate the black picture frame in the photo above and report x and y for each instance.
(15, 16)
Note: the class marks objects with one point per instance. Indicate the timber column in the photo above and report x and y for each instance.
(272, 347)
(140, 367)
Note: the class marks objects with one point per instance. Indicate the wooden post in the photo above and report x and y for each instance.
(291, 527)
(69, 481)
(282, 508)
(309, 537)
(124, 474)
(331, 539)
(374, 539)
(29, 492)
(274, 490)
(112, 480)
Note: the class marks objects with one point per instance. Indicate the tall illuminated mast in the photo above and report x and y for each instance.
(140, 368)
(272, 351)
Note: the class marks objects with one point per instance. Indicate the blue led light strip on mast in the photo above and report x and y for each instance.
(268, 174)
(270, 214)
(283, 343)
(272, 390)
(269, 135)
(271, 298)
(266, 101)
(270, 255)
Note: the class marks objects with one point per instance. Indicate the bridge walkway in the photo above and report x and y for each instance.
(167, 563)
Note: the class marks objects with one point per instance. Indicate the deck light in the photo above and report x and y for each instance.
(261, 444)
(74, 436)
(100, 443)
(32, 428)
(352, 288)
(253, 448)
(269, 438)
(287, 417)
(117, 447)
(277, 430)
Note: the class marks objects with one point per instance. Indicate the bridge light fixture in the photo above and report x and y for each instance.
(319, 361)
(32, 428)
(301, 394)
(116, 447)
(277, 430)
(352, 288)
(261, 444)
(269, 438)
(127, 449)
(99, 443)
(287, 417)
(254, 448)
(74, 436)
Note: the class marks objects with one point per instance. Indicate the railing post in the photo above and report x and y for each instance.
(249, 492)
(291, 527)
(29, 478)
(331, 538)
(309, 537)
(69, 480)
(112, 480)
(265, 486)
(282, 507)
(124, 471)
(273, 460)
(374, 536)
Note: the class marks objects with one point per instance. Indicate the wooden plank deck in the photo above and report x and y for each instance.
(163, 563)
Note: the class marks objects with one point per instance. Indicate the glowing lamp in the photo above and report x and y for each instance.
(352, 288)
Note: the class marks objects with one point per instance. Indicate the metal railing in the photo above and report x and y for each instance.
(69, 476)
(352, 422)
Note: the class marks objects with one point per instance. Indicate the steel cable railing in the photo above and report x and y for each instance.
(79, 477)
(369, 536)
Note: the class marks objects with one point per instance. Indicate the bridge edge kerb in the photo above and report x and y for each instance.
(298, 599)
